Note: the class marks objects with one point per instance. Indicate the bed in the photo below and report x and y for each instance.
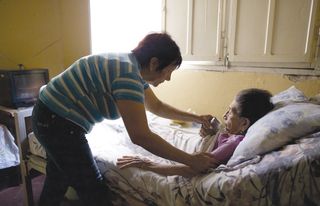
(278, 163)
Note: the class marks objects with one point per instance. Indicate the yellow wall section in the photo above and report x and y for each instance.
(30, 34)
(52, 34)
(43, 34)
(212, 92)
(75, 29)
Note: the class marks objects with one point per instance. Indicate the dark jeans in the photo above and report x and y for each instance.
(69, 160)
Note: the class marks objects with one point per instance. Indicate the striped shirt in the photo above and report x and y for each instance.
(87, 91)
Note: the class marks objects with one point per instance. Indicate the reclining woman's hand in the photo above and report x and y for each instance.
(204, 120)
(133, 161)
(212, 130)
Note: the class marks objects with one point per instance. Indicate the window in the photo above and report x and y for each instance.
(246, 35)
(118, 25)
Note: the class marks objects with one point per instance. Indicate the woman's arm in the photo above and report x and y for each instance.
(135, 121)
(146, 164)
(169, 170)
(154, 105)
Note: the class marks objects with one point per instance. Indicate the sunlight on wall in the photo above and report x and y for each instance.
(118, 25)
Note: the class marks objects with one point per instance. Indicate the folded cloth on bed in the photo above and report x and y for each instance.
(9, 152)
(35, 146)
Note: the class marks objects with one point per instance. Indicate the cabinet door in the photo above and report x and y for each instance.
(272, 31)
(196, 27)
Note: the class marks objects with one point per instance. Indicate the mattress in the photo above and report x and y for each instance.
(283, 177)
(289, 175)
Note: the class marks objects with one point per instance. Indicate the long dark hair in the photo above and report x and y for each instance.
(161, 46)
(254, 103)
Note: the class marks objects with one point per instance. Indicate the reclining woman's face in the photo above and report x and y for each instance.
(234, 124)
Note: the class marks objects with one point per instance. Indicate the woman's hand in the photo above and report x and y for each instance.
(133, 161)
(210, 125)
(203, 161)
(204, 120)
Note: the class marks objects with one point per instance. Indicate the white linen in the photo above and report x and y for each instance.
(9, 152)
(249, 183)
(109, 139)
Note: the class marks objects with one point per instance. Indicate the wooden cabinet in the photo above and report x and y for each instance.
(196, 26)
(274, 33)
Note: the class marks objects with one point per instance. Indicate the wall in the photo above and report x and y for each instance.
(54, 33)
(212, 92)
(30, 34)
(75, 29)
(43, 34)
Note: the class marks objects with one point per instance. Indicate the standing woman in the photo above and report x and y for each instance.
(107, 86)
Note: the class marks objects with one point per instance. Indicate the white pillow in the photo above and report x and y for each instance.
(290, 95)
(276, 129)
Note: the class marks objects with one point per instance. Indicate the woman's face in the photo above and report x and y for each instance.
(232, 120)
(157, 77)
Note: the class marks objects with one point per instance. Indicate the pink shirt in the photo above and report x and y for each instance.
(225, 146)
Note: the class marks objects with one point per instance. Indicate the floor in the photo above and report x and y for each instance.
(13, 196)
(11, 193)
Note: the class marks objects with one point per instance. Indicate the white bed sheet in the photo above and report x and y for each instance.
(110, 141)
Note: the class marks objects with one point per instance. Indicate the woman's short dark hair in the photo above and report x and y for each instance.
(254, 103)
(161, 46)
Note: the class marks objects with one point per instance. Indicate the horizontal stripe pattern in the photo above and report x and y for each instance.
(87, 91)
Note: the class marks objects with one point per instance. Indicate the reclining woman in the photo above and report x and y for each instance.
(248, 106)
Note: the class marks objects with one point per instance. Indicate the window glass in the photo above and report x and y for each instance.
(118, 25)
